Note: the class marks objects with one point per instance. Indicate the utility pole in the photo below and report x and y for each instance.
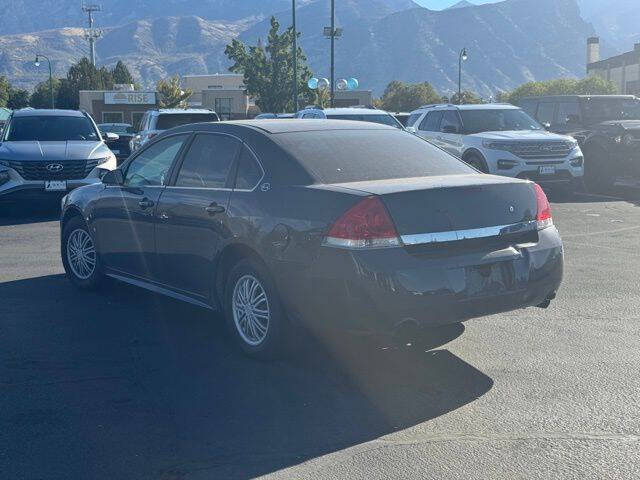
(295, 58)
(333, 43)
(462, 57)
(92, 34)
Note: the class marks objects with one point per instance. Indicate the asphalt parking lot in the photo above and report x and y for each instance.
(123, 384)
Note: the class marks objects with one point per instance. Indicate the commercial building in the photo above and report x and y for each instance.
(623, 70)
(352, 98)
(223, 92)
(121, 105)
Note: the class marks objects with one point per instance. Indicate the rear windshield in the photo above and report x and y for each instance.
(50, 128)
(169, 120)
(383, 119)
(336, 156)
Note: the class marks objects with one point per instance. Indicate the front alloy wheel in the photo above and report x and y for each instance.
(81, 254)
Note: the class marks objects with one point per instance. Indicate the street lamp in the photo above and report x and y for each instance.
(295, 57)
(461, 58)
(37, 64)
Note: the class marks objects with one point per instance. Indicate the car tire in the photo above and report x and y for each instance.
(79, 256)
(477, 162)
(253, 310)
(598, 174)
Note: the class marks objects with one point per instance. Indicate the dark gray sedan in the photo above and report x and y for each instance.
(321, 223)
(44, 152)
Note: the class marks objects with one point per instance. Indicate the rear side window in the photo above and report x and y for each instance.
(249, 172)
(450, 119)
(431, 122)
(362, 155)
(208, 161)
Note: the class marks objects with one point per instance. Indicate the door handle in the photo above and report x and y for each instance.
(215, 208)
(146, 203)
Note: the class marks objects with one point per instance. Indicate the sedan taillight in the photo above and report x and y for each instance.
(543, 216)
(365, 225)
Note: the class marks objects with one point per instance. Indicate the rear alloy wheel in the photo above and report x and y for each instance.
(476, 162)
(79, 255)
(253, 312)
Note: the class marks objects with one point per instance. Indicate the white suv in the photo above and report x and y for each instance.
(501, 139)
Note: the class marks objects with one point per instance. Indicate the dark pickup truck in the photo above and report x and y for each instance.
(607, 128)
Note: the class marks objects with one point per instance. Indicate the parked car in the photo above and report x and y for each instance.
(51, 151)
(121, 148)
(360, 114)
(502, 140)
(263, 116)
(326, 224)
(607, 128)
(154, 122)
(402, 117)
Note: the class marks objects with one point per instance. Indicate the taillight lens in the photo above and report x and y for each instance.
(365, 225)
(543, 217)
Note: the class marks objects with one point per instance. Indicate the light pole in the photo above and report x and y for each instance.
(333, 43)
(461, 58)
(37, 64)
(295, 58)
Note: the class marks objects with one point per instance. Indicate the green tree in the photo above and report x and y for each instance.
(121, 74)
(268, 71)
(468, 98)
(171, 94)
(405, 97)
(82, 76)
(560, 86)
(5, 88)
(18, 98)
(41, 97)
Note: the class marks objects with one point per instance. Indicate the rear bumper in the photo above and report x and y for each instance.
(376, 291)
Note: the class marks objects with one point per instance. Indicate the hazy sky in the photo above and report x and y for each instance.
(440, 4)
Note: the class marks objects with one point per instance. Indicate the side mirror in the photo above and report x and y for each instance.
(113, 177)
(573, 119)
(111, 137)
(449, 129)
(547, 126)
(411, 129)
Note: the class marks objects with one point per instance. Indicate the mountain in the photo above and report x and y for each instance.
(508, 42)
(67, 13)
(617, 22)
(461, 4)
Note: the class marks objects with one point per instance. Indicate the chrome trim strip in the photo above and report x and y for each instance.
(456, 235)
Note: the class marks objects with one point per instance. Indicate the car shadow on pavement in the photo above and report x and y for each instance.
(122, 383)
(21, 214)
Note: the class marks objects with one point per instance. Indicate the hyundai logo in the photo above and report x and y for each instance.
(55, 167)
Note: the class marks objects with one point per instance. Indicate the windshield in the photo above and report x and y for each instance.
(169, 120)
(119, 129)
(382, 118)
(50, 128)
(360, 155)
(477, 121)
(603, 109)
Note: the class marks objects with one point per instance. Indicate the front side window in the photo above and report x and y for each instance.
(431, 122)
(50, 128)
(151, 167)
(568, 113)
(601, 109)
(546, 112)
(497, 120)
(208, 161)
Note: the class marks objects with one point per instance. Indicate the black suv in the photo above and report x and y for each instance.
(606, 126)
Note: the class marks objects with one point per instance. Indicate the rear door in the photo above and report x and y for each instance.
(429, 127)
(451, 133)
(124, 214)
(193, 221)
